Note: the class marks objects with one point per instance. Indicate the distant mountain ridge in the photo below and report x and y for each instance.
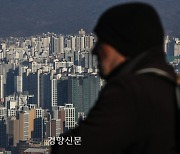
(30, 17)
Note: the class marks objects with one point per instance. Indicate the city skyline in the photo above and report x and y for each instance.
(47, 84)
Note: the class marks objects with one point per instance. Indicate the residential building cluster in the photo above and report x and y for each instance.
(172, 50)
(47, 84)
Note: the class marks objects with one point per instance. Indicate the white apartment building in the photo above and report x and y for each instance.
(69, 116)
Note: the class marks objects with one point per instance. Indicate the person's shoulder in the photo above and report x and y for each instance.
(120, 85)
(124, 80)
(128, 84)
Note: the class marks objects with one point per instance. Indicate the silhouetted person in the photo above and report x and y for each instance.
(135, 112)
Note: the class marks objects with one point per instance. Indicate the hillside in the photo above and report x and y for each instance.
(28, 17)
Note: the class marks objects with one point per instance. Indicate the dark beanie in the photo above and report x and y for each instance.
(130, 28)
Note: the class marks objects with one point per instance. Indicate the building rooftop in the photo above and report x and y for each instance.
(36, 150)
